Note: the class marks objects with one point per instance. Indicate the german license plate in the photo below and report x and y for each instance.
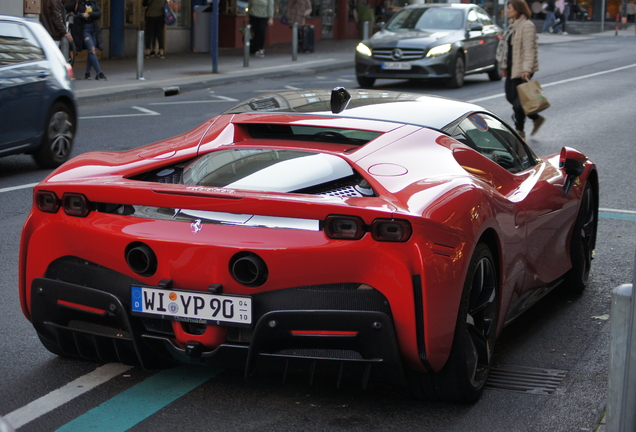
(396, 65)
(191, 306)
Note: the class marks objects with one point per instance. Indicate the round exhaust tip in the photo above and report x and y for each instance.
(141, 259)
(248, 269)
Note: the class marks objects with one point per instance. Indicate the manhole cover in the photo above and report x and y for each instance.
(525, 379)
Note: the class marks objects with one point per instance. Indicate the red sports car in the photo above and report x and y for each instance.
(372, 234)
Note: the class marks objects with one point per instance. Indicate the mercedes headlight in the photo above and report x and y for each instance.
(439, 50)
(364, 50)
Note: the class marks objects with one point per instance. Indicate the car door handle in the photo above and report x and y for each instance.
(43, 75)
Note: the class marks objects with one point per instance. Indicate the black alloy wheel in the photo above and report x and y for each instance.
(464, 376)
(457, 80)
(583, 242)
(495, 73)
(57, 141)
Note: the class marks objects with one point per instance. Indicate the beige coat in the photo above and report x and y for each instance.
(525, 52)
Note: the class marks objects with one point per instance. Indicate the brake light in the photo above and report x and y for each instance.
(69, 72)
(323, 333)
(47, 201)
(391, 230)
(344, 227)
(75, 205)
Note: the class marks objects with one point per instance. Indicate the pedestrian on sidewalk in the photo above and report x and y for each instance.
(518, 57)
(297, 12)
(550, 20)
(87, 33)
(53, 18)
(155, 23)
(261, 15)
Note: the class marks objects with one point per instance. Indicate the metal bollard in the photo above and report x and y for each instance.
(140, 55)
(621, 394)
(295, 42)
(246, 45)
(365, 30)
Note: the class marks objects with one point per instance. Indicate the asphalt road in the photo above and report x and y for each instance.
(590, 87)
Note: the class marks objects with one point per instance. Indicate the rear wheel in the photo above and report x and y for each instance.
(495, 74)
(57, 141)
(464, 376)
(457, 80)
(583, 242)
(365, 81)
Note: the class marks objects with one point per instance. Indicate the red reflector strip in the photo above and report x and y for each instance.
(323, 333)
(81, 307)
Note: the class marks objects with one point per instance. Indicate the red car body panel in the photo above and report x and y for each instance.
(451, 195)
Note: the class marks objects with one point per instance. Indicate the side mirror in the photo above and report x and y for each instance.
(572, 162)
(476, 27)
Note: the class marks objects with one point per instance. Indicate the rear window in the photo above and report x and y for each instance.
(312, 133)
(266, 170)
(17, 44)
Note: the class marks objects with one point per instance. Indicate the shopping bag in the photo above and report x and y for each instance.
(168, 14)
(532, 97)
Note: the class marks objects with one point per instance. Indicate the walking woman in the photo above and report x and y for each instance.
(518, 59)
(87, 33)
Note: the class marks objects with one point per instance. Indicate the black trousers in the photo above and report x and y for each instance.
(259, 28)
(513, 97)
(154, 31)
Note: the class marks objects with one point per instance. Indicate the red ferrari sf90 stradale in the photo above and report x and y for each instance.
(379, 235)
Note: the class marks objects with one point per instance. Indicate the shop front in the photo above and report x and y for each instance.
(123, 19)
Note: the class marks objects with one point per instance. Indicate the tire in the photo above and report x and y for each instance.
(495, 74)
(464, 376)
(459, 71)
(583, 242)
(365, 82)
(57, 140)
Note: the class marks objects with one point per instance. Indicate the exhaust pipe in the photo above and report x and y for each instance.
(248, 269)
(141, 259)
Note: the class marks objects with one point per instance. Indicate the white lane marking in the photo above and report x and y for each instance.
(144, 112)
(64, 394)
(12, 188)
(608, 210)
(219, 99)
(560, 82)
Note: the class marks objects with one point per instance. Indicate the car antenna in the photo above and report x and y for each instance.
(340, 98)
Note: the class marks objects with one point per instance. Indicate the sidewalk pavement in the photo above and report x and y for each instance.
(191, 71)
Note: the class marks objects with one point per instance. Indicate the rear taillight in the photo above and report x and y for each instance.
(69, 72)
(47, 201)
(391, 230)
(344, 227)
(75, 205)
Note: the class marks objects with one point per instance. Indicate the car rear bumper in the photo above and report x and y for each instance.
(97, 325)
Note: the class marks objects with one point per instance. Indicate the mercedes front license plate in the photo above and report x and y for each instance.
(396, 66)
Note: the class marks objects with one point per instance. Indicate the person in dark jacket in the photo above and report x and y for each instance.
(53, 18)
(155, 23)
(87, 33)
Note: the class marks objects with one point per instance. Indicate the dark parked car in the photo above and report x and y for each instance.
(38, 114)
(432, 41)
